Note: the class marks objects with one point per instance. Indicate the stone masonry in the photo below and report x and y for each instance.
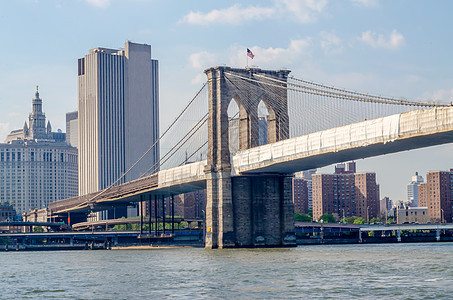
(246, 211)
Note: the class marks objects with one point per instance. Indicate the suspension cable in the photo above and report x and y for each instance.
(320, 92)
(150, 148)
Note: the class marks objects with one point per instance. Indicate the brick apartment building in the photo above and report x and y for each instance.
(346, 193)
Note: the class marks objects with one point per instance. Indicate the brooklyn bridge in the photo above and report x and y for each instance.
(244, 134)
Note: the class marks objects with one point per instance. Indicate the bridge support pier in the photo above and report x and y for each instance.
(246, 210)
(263, 211)
(219, 211)
(250, 211)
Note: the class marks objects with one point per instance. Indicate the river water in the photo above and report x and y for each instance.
(397, 271)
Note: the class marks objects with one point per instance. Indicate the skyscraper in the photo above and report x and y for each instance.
(412, 190)
(118, 114)
(72, 129)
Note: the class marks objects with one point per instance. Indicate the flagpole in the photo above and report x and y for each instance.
(247, 56)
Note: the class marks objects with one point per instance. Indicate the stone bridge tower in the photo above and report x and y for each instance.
(246, 210)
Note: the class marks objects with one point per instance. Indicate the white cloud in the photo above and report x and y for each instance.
(365, 3)
(236, 56)
(304, 11)
(330, 42)
(98, 3)
(394, 41)
(441, 96)
(202, 59)
(4, 129)
(231, 15)
(273, 57)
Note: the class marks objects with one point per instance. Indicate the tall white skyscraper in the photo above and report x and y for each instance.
(412, 190)
(118, 114)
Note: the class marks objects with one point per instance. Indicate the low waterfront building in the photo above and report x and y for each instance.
(36, 215)
(406, 214)
(7, 212)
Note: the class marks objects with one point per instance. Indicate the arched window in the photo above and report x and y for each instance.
(233, 126)
(263, 117)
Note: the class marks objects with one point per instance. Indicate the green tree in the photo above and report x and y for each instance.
(359, 220)
(349, 220)
(327, 218)
(298, 217)
(38, 229)
(390, 220)
(375, 220)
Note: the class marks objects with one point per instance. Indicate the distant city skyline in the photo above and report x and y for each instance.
(385, 47)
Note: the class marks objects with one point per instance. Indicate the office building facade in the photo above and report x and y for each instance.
(36, 165)
(118, 116)
(72, 130)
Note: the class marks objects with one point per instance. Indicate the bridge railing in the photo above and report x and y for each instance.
(381, 130)
(188, 172)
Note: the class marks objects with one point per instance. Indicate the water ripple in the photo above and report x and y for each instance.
(399, 271)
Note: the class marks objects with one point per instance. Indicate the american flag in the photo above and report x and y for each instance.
(250, 53)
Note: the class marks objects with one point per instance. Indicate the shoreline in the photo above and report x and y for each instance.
(149, 247)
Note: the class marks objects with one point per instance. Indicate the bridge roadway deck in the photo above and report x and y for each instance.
(113, 222)
(20, 223)
(177, 180)
(368, 227)
(395, 133)
(68, 234)
(410, 130)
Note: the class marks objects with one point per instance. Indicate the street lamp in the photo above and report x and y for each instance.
(368, 214)
(322, 232)
(442, 216)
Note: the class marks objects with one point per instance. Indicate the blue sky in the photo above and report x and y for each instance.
(396, 48)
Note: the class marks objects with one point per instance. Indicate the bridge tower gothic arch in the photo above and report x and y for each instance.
(246, 210)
